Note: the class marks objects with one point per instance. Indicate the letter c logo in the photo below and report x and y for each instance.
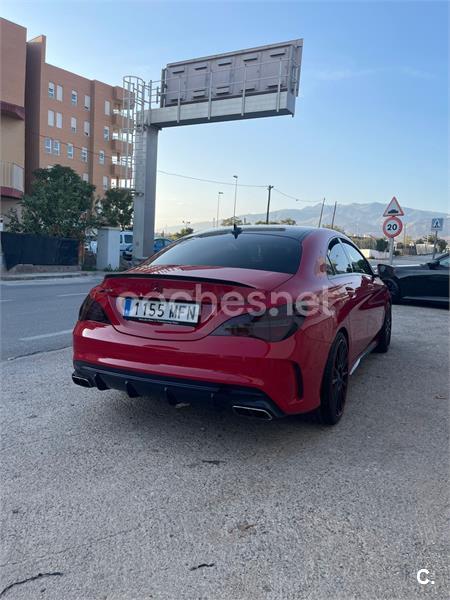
(423, 580)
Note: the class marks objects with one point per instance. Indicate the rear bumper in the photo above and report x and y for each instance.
(175, 390)
(283, 377)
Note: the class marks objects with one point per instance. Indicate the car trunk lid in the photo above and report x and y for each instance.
(210, 287)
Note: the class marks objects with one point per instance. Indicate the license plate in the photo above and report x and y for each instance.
(161, 310)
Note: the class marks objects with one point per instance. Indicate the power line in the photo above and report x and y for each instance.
(162, 172)
(293, 197)
(211, 180)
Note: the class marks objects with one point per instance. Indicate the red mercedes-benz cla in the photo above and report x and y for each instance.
(269, 321)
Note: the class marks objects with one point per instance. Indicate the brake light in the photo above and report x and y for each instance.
(269, 326)
(91, 310)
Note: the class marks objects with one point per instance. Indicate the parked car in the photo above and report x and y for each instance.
(125, 241)
(126, 238)
(268, 321)
(426, 282)
(159, 244)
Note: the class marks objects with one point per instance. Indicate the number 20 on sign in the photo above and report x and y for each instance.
(392, 227)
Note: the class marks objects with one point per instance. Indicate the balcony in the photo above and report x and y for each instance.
(118, 171)
(11, 179)
(123, 97)
(121, 122)
(121, 147)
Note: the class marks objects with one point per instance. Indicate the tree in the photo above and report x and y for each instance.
(287, 221)
(381, 245)
(182, 233)
(441, 244)
(116, 208)
(335, 227)
(230, 221)
(60, 205)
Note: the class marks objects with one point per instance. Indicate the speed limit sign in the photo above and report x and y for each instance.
(392, 227)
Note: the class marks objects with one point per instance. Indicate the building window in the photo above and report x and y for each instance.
(106, 133)
(56, 147)
(51, 118)
(73, 124)
(59, 93)
(87, 102)
(59, 120)
(86, 177)
(84, 154)
(74, 97)
(105, 182)
(107, 107)
(69, 150)
(101, 157)
(87, 128)
(48, 145)
(51, 89)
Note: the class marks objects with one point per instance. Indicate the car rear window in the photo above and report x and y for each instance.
(263, 252)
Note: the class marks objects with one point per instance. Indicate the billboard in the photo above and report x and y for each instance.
(255, 82)
(259, 70)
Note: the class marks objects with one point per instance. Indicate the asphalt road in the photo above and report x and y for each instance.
(110, 498)
(39, 315)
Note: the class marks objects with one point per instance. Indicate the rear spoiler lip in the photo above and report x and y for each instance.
(178, 278)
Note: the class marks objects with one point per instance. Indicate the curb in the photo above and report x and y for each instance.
(44, 276)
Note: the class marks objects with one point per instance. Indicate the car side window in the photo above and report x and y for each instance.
(330, 270)
(358, 262)
(445, 262)
(338, 258)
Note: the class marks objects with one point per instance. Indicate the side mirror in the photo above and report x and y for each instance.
(432, 264)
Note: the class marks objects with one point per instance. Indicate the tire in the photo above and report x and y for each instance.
(394, 290)
(384, 336)
(335, 382)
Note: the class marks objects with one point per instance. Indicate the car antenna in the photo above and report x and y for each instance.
(236, 230)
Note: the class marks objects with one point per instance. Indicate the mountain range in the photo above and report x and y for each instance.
(354, 219)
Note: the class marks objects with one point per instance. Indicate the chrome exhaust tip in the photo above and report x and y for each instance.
(256, 413)
(83, 381)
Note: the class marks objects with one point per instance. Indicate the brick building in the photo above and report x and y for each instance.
(54, 116)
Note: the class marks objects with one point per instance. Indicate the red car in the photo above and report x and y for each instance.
(269, 321)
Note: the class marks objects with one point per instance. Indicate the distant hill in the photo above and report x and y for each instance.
(360, 219)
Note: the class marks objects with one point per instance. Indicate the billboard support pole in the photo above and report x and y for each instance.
(144, 202)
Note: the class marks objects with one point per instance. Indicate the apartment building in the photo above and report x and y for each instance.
(71, 121)
(13, 47)
(52, 116)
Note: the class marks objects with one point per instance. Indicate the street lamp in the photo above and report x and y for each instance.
(218, 204)
(235, 197)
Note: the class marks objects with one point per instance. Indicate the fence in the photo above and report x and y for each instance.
(30, 249)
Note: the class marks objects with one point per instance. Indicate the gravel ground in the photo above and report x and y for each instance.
(108, 498)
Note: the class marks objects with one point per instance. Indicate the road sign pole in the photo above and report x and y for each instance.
(391, 251)
(434, 244)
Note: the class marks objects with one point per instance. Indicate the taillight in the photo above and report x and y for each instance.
(91, 310)
(274, 325)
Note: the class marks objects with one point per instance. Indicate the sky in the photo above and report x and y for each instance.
(371, 119)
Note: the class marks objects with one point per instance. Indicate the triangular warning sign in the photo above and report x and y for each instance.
(393, 209)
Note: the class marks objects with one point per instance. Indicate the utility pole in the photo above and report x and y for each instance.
(235, 197)
(218, 204)
(269, 189)
(334, 214)
(321, 213)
